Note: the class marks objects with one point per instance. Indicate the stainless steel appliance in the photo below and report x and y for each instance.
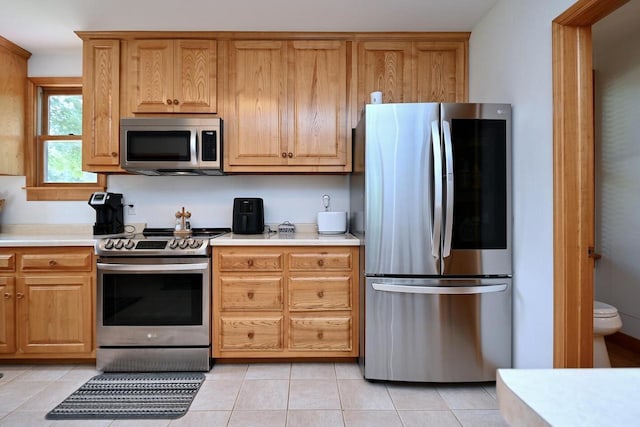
(109, 213)
(431, 200)
(153, 301)
(171, 145)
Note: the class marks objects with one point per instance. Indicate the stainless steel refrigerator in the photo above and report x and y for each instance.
(431, 202)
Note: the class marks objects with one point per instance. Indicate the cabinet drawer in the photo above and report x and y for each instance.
(251, 262)
(251, 333)
(320, 333)
(7, 262)
(319, 293)
(64, 261)
(253, 293)
(325, 260)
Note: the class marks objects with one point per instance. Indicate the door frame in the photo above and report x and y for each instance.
(573, 181)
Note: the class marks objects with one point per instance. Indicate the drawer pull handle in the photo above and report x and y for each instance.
(250, 295)
(19, 295)
(53, 262)
(320, 294)
(250, 263)
(321, 262)
(320, 335)
(250, 335)
(7, 295)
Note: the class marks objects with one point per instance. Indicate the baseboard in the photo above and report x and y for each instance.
(625, 341)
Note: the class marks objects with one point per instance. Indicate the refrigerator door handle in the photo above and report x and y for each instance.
(439, 290)
(448, 222)
(437, 190)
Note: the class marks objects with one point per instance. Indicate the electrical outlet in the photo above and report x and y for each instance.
(131, 208)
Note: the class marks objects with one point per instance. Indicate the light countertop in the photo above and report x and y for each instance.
(286, 239)
(569, 397)
(46, 235)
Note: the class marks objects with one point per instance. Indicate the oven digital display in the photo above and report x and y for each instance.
(151, 244)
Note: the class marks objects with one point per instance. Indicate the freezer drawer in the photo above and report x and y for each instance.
(437, 330)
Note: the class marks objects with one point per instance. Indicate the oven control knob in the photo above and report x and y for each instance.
(119, 244)
(129, 244)
(108, 244)
(173, 244)
(195, 244)
(184, 244)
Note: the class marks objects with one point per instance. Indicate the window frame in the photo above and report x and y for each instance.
(36, 188)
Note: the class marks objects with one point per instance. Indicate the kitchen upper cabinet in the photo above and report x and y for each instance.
(172, 76)
(413, 71)
(286, 106)
(13, 93)
(255, 104)
(101, 106)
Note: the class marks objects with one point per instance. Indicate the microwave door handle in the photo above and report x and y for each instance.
(194, 148)
(448, 221)
(437, 190)
(439, 290)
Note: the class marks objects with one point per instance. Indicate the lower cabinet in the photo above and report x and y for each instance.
(271, 302)
(48, 301)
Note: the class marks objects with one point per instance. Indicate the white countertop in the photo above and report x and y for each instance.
(46, 235)
(569, 397)
(286, 239)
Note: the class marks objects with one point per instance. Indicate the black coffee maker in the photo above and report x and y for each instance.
(109, 213)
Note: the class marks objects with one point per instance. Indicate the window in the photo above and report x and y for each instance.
(54, 157)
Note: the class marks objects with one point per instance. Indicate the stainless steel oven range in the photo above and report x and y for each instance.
(153, 302)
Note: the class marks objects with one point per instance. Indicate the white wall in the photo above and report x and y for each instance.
(294, 198)
(617, 74)
(510, 61)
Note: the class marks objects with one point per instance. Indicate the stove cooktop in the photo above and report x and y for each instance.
(159, 242)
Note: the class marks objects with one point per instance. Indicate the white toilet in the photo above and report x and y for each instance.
(606, 321)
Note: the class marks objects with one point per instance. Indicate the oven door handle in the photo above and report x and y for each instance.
(154, 267)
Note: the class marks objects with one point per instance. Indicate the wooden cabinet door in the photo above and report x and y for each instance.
(318, 92)
(55, 315)
(13, 92)
(101, 106)
(7, 315)
(440, 72)
(151, 76)
(255, 104)
(195, 76)
(384, 66)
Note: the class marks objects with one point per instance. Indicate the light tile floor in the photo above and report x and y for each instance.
(265, 395)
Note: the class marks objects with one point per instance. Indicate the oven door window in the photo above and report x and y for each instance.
(152, 299)
(164, 146)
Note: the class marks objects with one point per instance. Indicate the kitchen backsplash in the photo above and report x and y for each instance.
(295, 198)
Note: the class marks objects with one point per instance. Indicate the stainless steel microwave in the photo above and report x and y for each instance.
(171, 145)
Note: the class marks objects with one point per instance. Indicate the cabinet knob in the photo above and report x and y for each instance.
(320, 294)
(250, 335)
(250, 263)
(52, 263)
(284, 155)
(114, 154)
(290, 154)
(250, 294)
(19, 295)
(320, 335)
(169, 102)
(176, 102)
(7, 295)
(320, 262)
